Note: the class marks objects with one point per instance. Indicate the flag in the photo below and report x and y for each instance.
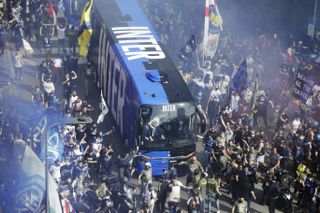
(104, 109)
(61, 7)
(240, 79)
(212, 28)
(31, 192)
(85, 30)
(27, 47)
(51, 9)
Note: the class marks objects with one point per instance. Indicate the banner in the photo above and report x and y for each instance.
(240, 79)
(303, 85)
(54, 146)
(32, 187)
(212, 28)
(85, 30)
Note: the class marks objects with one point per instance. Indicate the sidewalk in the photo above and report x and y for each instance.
(17, 97)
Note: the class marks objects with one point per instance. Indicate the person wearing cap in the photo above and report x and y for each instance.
(145, 177)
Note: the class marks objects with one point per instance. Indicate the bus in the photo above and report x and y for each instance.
(150, 103)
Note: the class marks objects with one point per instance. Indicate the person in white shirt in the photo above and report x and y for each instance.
(215, 93)
(234, 101)
(224, 85)
(175, 194)
(296, 124)
(61, 29)
(48, 88)
(315, 90)
(73, 99)
(77, 153)
(55, 171)
(57, 69)
(96, 148)
(18, 66)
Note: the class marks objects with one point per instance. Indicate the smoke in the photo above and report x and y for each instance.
(247, 24)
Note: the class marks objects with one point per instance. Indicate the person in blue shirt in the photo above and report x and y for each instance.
(208, 145)
(309, 190)
(172, 172)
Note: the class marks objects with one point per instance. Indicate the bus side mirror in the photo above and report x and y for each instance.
(203, 118)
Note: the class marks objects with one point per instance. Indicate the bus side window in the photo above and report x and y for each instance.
(108, 71)
(111, 75)
(128, 92)
(116, 89)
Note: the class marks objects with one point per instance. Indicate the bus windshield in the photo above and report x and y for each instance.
(162, 124)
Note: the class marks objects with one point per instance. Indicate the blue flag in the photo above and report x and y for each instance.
(240, 79)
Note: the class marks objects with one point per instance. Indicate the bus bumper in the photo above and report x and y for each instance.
(159, 160)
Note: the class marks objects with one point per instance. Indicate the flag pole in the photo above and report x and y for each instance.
(205, 29)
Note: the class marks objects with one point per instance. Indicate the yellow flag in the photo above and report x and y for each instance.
(215, 20)
(85, 29)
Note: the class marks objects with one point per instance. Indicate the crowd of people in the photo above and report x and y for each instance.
(258, 135)
(262, 131)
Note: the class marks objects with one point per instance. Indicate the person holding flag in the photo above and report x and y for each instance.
(85, 30)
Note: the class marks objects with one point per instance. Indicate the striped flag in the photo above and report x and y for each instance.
(212, 28)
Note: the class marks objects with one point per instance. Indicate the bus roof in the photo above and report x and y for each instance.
(124, 13)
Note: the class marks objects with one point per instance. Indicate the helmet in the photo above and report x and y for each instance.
(148, 164)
